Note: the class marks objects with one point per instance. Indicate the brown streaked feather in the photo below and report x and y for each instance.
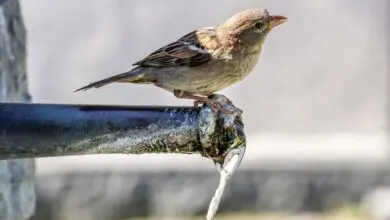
(192, 50)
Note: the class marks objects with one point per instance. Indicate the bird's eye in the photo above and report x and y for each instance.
(259, 25)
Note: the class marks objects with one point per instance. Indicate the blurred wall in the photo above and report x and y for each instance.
(17, 194)
(324, 71)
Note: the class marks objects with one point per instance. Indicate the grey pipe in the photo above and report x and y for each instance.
(47, 130)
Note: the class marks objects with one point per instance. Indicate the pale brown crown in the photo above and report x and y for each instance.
(243, 20)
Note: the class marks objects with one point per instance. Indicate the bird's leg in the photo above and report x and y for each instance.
(199, 103)
(214, 105)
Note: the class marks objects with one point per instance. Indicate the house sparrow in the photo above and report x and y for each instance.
(205, 60)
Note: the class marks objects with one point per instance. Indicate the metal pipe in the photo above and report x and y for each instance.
(42, 130)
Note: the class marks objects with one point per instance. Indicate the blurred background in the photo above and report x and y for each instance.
(315, 110)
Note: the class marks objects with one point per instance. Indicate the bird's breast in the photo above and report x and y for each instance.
(242, 64)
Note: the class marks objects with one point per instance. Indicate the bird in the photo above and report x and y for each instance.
(204, 61)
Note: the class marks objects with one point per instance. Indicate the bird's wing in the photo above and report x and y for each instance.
(191, 50)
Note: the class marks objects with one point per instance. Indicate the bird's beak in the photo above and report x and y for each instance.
(277, 20)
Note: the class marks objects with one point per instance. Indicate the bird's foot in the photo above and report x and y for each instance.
(213, 104)
(199, 100)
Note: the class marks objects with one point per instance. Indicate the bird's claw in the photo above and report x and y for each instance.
(214, 105)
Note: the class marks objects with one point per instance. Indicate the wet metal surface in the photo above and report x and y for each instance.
(39, 130)
(42, 130)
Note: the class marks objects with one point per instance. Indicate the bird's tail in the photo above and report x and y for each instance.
(135, 75)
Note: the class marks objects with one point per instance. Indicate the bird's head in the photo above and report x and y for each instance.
(249, 28)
